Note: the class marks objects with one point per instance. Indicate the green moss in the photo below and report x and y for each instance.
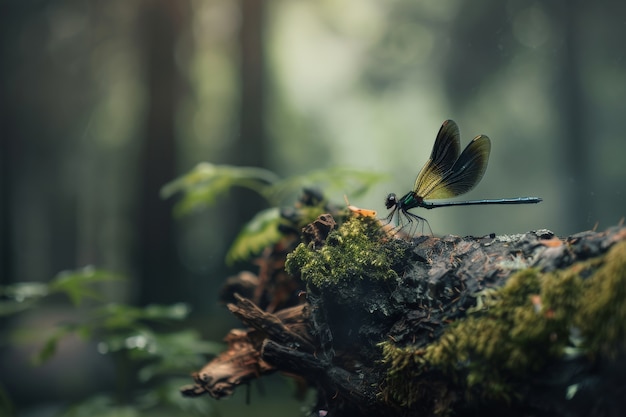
(508, 336)
(405, 364)
(602, 310)
(352, 252)
(518, 330)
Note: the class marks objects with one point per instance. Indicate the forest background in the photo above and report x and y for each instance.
(104, 102)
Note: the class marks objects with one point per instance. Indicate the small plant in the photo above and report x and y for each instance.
(149, 340)
(133, 336)
(203, 185)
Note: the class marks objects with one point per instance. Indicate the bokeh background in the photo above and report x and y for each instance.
(103, 102)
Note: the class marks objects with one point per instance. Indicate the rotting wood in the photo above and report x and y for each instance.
(332, 338)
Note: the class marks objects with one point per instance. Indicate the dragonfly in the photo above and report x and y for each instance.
(448, 173)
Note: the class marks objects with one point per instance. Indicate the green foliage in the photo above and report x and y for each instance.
(121, 327)
(147, 340)
(350, 181)
(263, 231)
(50, 346)
(18, 297)
(260, 232)
(78, 285)
(206, 182)
(102, 406)
(203, 185)
(120, 316)
(166, 397)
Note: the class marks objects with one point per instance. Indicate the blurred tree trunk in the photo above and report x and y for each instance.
(8, 156)
(159, 271)
(249, 148)
(573, 114)
(40, 105)
(250, 144)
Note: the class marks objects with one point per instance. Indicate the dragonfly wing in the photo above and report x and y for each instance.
(447, 146)
(442, 158)
(466, 172)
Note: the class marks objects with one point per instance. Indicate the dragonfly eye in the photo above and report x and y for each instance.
(391, 201)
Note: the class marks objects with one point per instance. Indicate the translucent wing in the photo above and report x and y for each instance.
(442, 158)
(466, 172)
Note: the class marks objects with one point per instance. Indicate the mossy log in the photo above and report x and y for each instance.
(384, 325)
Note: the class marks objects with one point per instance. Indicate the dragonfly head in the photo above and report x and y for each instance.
(391, 201)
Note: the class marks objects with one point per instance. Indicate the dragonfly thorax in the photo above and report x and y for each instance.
(406, 202)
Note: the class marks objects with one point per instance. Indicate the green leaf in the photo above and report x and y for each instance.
(23, 291)
(84, 331)
(176, 311)
(77, 284)
(118, 316)
(121, 316)
(48, 350)
(206, 182)
(141, 343)
(102, 405)
(167, 394)
(21, 296)
(178, 352)
(350, 181)
(50, 346)
(202, 186)
(260, 232)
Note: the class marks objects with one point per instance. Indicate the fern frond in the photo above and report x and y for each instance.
(206, 182)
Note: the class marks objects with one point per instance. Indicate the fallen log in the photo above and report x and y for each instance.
(385, 325)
